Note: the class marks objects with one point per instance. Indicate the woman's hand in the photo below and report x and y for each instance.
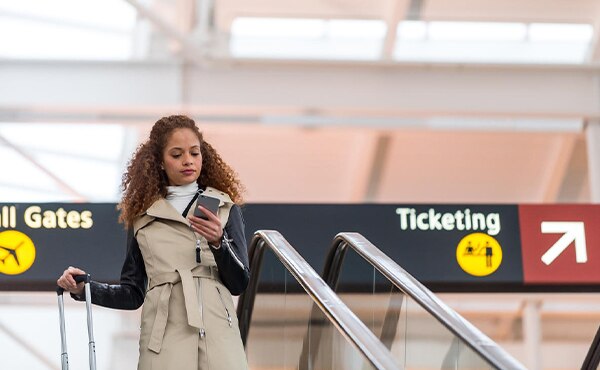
(210, 229)
(67, 281)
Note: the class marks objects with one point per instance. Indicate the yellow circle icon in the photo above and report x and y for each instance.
(479, 254)
(17, 252)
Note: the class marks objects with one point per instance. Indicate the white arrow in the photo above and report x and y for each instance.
(573, 232)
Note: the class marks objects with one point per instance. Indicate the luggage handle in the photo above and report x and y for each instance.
(78, 279)
(88, 306)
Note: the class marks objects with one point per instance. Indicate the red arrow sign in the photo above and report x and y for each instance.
(552, 258)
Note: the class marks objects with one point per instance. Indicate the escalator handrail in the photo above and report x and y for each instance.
(334, 309)
(473, 337)
(592, 359)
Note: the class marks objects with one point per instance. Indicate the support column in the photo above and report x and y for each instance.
(593, 149)
(532, 334)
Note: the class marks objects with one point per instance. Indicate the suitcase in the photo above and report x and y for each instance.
(64, 358)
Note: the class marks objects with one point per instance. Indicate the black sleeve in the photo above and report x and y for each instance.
(129, 294)
(232, 256)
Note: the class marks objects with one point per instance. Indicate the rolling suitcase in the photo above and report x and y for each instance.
(61, 310)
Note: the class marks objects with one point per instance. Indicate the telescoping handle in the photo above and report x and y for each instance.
(78, 279)
(88, 306)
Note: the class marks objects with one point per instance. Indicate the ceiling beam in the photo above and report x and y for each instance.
(89, 84)
(557, 168)
(161, 24)
(398, 11)
(379, 158)
(27, 344)
(188, 50)
(66, 188)
(593, 54)
(385, 94)
(592, 133)
(203, 25)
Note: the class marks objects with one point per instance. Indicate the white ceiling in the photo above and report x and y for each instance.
(297, 131)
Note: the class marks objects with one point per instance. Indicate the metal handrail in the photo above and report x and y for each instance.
(592, 359)
(334, 309)
(469, 334)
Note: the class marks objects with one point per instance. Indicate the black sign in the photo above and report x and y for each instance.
(423, 239)
(85, 235)
(447, 247)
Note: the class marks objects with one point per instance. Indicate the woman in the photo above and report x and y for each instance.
(182, 267)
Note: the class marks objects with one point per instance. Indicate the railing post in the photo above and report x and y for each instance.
(532, 338)
(593, 148)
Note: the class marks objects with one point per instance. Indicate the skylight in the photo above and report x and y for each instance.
(54, 162)
(489, 42)
(307, 38)
(66, 29)
(107, 30)
(473, 31)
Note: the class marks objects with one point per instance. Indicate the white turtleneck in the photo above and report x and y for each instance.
(180, 196)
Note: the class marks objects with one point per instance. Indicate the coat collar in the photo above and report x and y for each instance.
(163, 209)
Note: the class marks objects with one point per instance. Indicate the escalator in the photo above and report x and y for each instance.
(365, 313)
(420, 330)
(278, 315)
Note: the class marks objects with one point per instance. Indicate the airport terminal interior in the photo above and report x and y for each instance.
(423, 110)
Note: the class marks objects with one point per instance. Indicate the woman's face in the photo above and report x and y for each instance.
(182, 160)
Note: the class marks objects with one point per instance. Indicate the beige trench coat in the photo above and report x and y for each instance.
(188, 316)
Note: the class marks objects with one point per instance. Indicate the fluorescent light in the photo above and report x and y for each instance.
(493, 42)
(353, 39)
(412, 30)
(278, 28)
(31, 39)
(66, 29)
(113, 14)
(356, 28)
(477, 31)
(561, 32)
(507, 124)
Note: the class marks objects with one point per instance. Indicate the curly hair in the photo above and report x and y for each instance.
(144, 182)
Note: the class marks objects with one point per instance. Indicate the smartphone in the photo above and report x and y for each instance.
(212, 204)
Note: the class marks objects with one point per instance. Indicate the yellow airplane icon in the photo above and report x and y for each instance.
(17, 252)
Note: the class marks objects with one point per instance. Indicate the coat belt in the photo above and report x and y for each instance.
(165, 282)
